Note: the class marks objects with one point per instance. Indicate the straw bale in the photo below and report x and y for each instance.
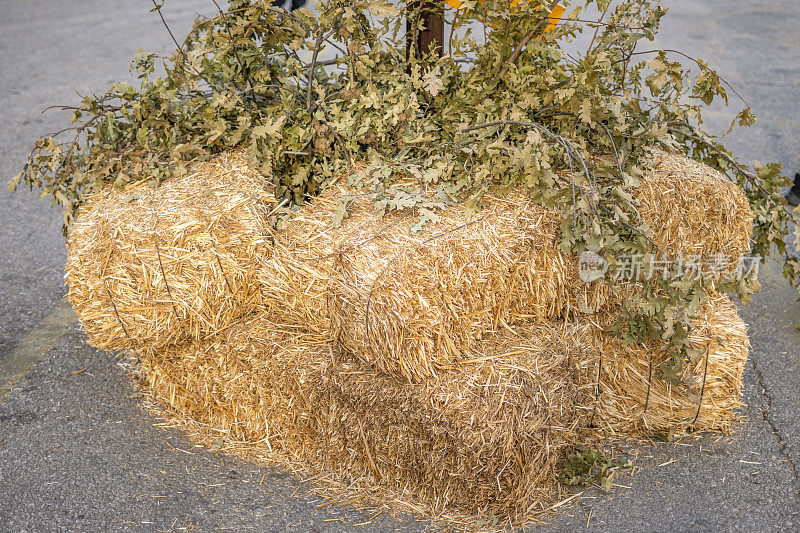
(633, 400)
(447, 368)
(156, 266)
(252, 383)
(414, 304)
(694, 210)
(484, 439)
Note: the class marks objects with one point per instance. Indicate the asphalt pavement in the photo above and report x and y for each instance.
(78, 452)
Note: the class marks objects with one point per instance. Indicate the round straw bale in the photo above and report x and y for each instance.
(148, 267)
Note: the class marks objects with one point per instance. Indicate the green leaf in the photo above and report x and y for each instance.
(671, 370)
(272, 128)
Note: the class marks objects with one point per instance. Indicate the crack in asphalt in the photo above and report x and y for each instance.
(782, 448)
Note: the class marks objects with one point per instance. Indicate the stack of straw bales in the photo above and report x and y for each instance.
(447, 369)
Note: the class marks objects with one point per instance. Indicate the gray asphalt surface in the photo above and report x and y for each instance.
(79, 453)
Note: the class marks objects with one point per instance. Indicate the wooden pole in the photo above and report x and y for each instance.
(430, 38)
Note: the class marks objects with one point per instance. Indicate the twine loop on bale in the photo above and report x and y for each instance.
(116, 313)
(597, 390)
(164, 276)
(224, 275)
(703, 388)
(649, 385)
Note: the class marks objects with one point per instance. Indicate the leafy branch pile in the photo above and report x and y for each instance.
(506, 108)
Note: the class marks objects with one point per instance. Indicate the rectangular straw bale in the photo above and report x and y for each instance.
(486, 438)
(148, 267)
(694, 210)
(633, 399)
(297, 277)
(415, 308)
(414, 304)
(252, 384)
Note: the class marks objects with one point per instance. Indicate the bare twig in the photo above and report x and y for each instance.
(502, 67)
(163, 20)
(627, 62)
(321, 37)
(597, 388)
(334, 61)
(169, 293)
(174, 40)
(224, 275)
(504, 47)
(649, 384)
(452, 30)
(119, 319)
(599, 23)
